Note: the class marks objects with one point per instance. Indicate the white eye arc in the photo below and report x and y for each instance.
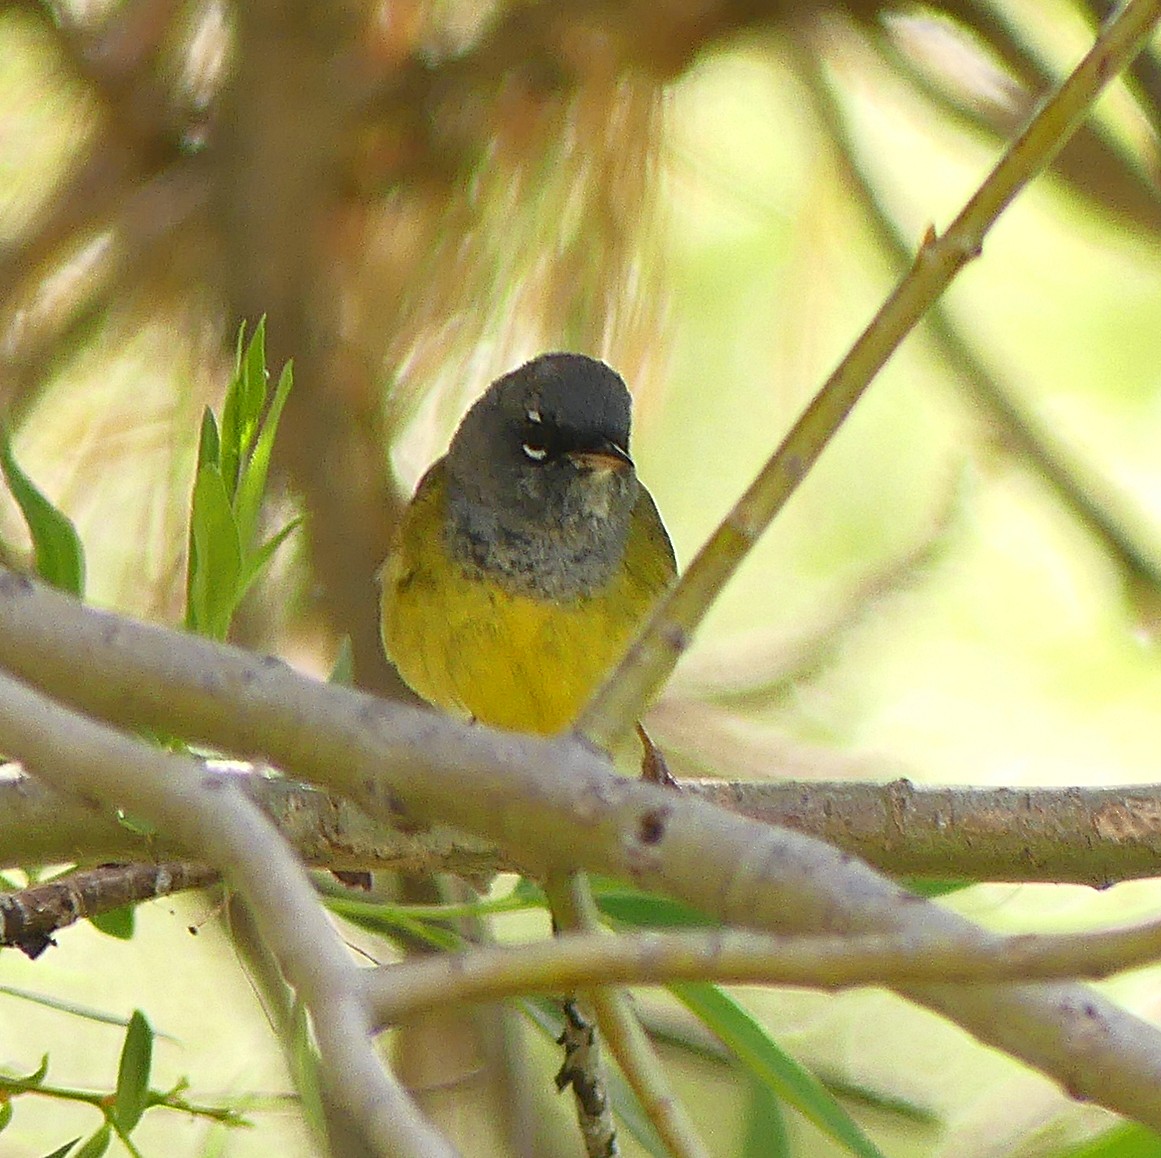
(536, 453)
(533, 415)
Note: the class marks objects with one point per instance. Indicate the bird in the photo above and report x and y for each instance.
(530, 554)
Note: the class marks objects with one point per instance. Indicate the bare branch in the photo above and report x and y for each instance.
(1091, 836)
(576, 960)
(217, 823)
(651, 658)
(555, 806)
(28, 918)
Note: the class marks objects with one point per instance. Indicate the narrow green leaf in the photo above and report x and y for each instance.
(925, 887)
(217, 557)
(260, 558)
(254, 383)
(228, 459)
(853, 1093)
(60, 557)
(343, 669)
(755, 1049)
(766, 1134)
(61, 1151)
(209, 454)
(242, 408)
(304, 1070)
(256, 466)
(390, 921)
(97, 1144)
(1125, 1141)
(530, 892)
(33, 1080)
(644, 910)
(119, 923)
(138, 825)
(6, 1112)
(132, 1097)
(209, 441)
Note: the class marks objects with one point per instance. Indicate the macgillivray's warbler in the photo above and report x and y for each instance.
(530, 553)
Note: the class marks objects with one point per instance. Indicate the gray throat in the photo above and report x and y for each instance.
(578, 558)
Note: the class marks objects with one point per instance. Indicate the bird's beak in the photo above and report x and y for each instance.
(605, 459)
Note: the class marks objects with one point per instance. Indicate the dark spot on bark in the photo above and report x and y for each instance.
(651, 826)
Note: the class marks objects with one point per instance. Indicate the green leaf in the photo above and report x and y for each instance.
(343, 669)
(766, 1135)
(256, 466)
(33, 1080)
(228, 454)
(138, 825)
(1125, 1141)
(132, 1097)
(935, 887)
(304, 1070)
(860, 1095)
(216, 557)
(783, 1076)
(245, 398)
(61, 1151)
(60, 557)
(258, 560)
(119, 923)
(390, 921)
(643, 910)
(6, 1112)
(97, 1144)
(209, 441)
(530, 893)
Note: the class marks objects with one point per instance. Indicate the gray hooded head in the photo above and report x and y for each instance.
(540, 484)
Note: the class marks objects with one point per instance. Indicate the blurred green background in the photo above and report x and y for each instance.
(421, 195)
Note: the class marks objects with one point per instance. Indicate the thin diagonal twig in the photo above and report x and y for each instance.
(652, 656)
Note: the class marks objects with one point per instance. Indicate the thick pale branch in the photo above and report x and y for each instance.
(556, 806)
(40, 825)
(104, 766)
(576, 960)
(1092, 836)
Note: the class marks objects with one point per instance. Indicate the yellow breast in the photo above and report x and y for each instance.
(467, 645)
